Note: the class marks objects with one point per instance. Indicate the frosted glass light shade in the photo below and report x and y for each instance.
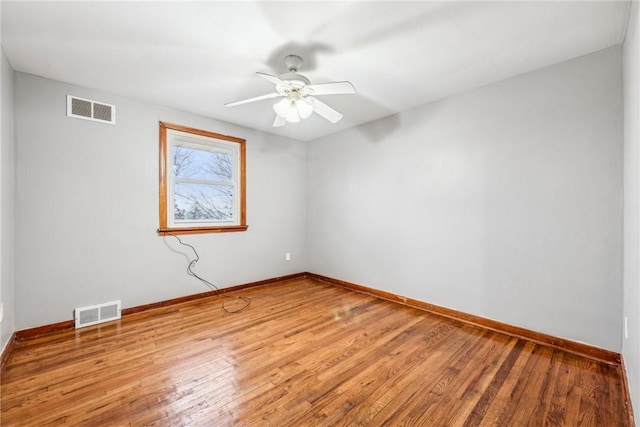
(283, 106)
(292, 115)
(293, 109)
(304, 109)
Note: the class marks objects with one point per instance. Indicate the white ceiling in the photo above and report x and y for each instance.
(197, 56)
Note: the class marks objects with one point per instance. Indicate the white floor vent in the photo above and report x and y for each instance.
(92, 314)
(90, 110)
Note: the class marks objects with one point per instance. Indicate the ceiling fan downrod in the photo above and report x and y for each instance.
(293, 63)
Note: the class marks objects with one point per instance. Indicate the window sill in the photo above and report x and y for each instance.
(202, 230)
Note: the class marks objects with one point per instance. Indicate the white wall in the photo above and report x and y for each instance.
(504, 202)
(631, 345)
(6, 200)
(87, 208)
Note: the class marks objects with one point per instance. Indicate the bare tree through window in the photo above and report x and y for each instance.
(203, 188)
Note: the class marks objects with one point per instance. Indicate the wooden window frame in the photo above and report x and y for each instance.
(165, 169)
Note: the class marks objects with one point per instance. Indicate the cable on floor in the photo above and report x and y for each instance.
(246, 300)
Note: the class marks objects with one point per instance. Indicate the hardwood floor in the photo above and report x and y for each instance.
(304, 353)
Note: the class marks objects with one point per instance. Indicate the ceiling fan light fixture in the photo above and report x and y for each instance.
(293, 116)
(282, 107)
(288, 110)
(304, 108)
(293, 109)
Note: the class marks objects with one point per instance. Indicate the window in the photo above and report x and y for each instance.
(202, 181)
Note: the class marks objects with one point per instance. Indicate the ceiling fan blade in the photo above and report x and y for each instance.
(336, 88)
(273, 79)
(279, 121)
(257, 98)
(324, 110)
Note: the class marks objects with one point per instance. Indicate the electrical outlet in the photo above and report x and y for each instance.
(1, 312)
(626, 327)
(287, 256)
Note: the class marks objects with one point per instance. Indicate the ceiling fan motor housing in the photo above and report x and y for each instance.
(295, 80)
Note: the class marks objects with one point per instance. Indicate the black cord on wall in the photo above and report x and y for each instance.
(246, 300)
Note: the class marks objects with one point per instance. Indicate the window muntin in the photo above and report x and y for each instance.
(202, 178)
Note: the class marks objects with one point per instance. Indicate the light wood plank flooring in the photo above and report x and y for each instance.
(305, 353)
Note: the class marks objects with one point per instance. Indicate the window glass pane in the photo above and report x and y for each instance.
(201, 164)
(201, 202)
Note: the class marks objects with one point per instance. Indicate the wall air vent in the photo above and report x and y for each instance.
(92, 314)
(90, 110)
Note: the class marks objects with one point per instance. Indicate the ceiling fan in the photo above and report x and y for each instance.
(299, 95)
